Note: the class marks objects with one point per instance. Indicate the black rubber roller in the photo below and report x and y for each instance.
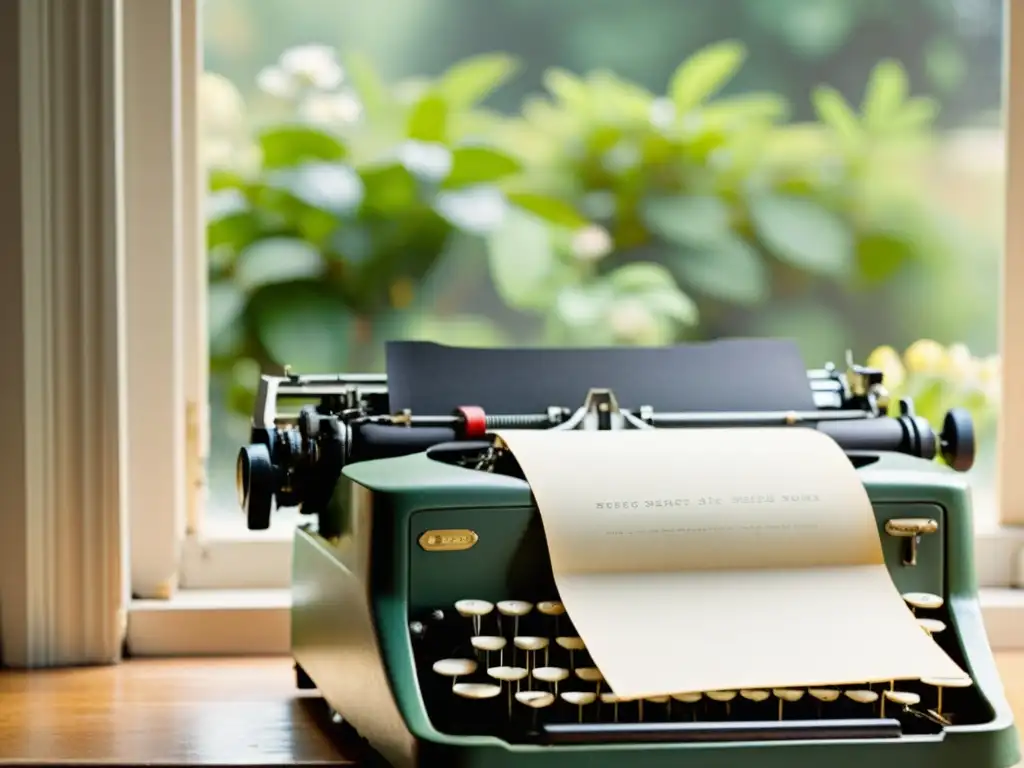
(957, 440)
(254, 478)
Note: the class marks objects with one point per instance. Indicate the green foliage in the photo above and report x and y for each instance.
(736, 203)
(339, 224)
(603, 212)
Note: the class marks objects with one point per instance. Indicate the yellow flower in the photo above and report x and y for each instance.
(990, 369)
(887, 360)
(960, 365)
(925, 356)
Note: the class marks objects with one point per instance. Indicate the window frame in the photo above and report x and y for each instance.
(176, 555)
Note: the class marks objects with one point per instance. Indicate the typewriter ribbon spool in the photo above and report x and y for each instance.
(762, 538)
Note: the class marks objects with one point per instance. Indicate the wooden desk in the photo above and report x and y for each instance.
(197, 712)
(173, 712)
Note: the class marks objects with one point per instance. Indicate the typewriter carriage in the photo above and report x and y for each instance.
(295, 459)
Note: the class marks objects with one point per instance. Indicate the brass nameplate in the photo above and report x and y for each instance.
(449, 540)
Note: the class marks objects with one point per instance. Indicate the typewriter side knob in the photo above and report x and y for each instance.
(957, 440)
(255, 482)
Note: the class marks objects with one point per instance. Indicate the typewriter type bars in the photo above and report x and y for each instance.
(519, 670)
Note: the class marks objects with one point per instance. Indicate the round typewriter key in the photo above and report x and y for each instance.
(488, 643)
(535, 699)
(551, 608)
(589, 674)
(931, 626)
(688, 698)
(476, 690)
(902, 698)
(531, 645)
(514, 607)
(550, 674)
(553, 675)
(507, 674)
(611, 698)
(725, 696)
(939, 683)
(579, 699)
(455, 667)
(862, 696)
(824, 694)
(755, 695)
(786, 694)
(658, 699)
(571, 644)
(474, 609)
(923, 600)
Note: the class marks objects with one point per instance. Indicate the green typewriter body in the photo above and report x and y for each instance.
(400, 545)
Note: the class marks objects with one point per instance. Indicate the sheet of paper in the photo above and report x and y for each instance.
(720, 559)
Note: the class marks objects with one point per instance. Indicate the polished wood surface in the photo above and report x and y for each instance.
(174, 712)
(198, 712)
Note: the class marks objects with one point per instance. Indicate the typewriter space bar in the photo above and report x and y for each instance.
(787, 730)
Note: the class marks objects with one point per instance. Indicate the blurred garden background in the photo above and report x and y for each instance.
(543, 172)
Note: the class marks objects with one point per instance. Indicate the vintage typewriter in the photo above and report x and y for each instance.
(424, 606)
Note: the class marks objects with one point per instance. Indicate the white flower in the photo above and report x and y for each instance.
(276, 82)
(221, 108)
(631, 321)
(591, 243)
(314, 65)
(427, 160)
(663, 112)
(331, 108)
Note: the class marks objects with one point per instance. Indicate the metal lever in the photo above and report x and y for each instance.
(910, 529)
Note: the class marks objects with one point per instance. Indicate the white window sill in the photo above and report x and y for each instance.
(257, 623)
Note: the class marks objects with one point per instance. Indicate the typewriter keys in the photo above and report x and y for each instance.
(535, 700)
(611, 698)
(553, 675)
(823, 696)
(476, 690)
(923, 601)
(514, 609)
(455, 667)
(579, 699)
(902, 698)
(931, 626)
(551, 608)
(940, 683)
(488, 643)
(786, 694)
(571, 644)
(755, 696)
(508, 675)
(531, 645)
(474, 609)
(590, 675)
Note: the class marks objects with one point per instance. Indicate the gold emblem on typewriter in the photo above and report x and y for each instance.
(448, 540)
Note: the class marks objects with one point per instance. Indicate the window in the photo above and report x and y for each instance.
(828, 171)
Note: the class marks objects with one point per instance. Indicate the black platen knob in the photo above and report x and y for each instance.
(957, 439)
(255, 479)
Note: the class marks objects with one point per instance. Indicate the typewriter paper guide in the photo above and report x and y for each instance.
(720, 559)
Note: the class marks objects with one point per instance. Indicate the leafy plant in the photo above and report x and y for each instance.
(317, 248)
(606, 213)
(730, 201)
